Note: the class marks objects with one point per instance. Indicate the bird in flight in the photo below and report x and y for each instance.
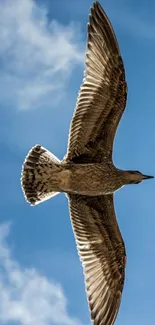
(87, 174)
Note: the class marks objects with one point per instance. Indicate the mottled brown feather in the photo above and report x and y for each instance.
(102, 96)
(102, 252)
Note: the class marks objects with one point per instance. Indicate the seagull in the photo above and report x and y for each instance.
(87, 174)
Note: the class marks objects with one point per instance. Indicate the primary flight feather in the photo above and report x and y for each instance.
(87, 174)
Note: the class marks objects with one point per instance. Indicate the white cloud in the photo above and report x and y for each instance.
(26, 297)
(36, 56)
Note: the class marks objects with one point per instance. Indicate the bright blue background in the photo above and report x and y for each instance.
(41, 237)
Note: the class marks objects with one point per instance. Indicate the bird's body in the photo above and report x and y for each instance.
(87, 174)
(92, 179)
(87, 179)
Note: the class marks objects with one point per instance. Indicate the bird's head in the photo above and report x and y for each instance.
(135, 177)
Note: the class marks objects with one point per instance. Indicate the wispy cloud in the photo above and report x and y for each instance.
(36, 56)
(26, 297)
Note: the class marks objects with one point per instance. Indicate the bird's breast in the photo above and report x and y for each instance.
(91, 180)
(64, 180)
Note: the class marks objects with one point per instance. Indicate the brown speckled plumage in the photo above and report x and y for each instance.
(87, 174)
(38, 168)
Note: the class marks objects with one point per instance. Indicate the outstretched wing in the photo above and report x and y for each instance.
(102, 97)
(102, 253)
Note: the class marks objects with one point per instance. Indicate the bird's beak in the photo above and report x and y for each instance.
(147, 177)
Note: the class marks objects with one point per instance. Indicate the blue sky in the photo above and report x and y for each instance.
(42, 46)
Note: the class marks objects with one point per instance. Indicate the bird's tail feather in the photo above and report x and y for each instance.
(36, 171)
